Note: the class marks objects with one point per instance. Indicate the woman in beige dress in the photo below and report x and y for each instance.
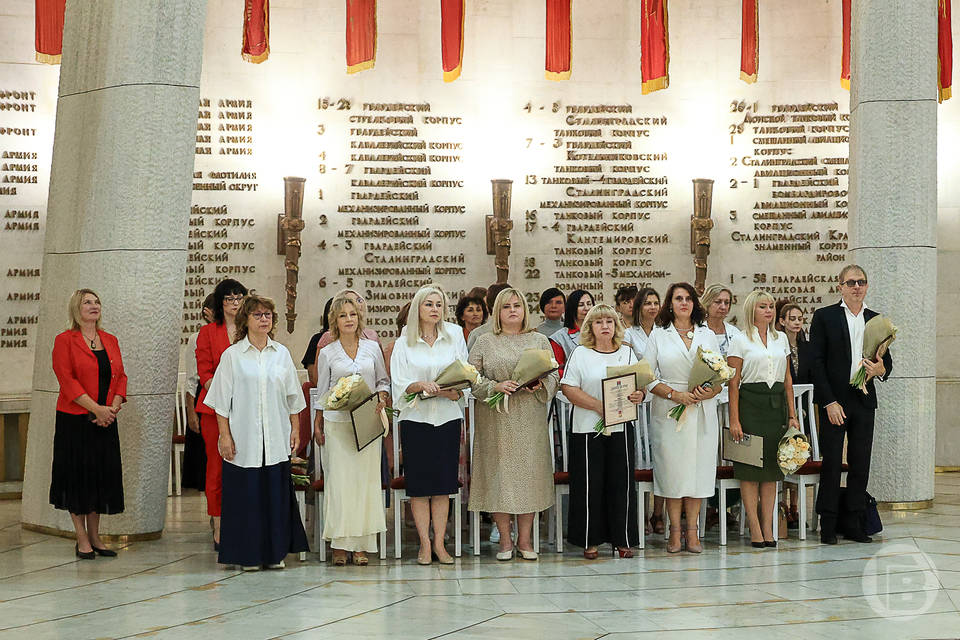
(512, 473)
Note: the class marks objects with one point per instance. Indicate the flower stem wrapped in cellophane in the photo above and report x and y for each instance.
(533, 366)
(456, 376)
(644, 373)
(709, 370)
(878, 333)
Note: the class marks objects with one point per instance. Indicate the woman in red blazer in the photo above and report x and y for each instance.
(87, 479)
(212, 340)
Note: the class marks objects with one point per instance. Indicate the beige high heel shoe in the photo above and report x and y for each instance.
(693, 544)
(674, 548)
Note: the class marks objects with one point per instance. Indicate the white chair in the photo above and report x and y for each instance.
(398, 487)
(725, 479)
(643, 469)
(179, 437)
(561, 478)
(318, 487)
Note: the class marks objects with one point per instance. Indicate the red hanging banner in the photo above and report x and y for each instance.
(845, 50)
(256, 31)
(944, 52)
(749, 42)
(654, 46)
(49, 30)
(361, 35)
(451, 38)
(559, 38)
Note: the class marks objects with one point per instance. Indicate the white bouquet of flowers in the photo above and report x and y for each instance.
(347, 394)
(709, 369)
(793, 451)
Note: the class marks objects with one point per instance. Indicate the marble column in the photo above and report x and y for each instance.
(892, 231)
(117, 218)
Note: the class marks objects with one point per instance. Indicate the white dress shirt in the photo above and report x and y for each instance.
(761, 363)
(423, 363)
(257, 391)
(855, 325)
(637, 338)
(190, 364)
(333, 363)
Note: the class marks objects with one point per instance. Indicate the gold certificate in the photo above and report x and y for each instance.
(617, 407)
(368, 423)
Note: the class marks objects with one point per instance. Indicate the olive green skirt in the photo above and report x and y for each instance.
(763, 412)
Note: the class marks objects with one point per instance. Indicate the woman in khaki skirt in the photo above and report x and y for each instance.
(761, 404)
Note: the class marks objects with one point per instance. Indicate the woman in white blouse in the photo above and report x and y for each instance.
(429, 427)
(352, 502)
(603, 502)
(761, 404)
(257, 397)
(717, 301)
(646, 306)
(684, 453)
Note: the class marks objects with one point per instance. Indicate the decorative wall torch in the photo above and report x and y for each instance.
(499, 226)
(288, 234)
(700, 225)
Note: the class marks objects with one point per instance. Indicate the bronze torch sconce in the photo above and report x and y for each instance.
(700, 225)
(289, 226)
(498, 228)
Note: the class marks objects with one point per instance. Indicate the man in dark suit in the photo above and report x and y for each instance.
(836, 352)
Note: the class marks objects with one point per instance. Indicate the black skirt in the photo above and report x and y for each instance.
(86, 476)
(431, 457)
(261, 523)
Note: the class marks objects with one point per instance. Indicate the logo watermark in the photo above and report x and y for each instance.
(898, 581)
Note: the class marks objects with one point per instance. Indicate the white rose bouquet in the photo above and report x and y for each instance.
(347, 394)
(533, 366)
(709, 369)
(793, 451)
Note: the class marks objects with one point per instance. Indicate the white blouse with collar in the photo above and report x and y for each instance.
(333, 363)
(423, 363)
(761, 363)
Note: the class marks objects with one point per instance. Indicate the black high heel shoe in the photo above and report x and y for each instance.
(770, 543)
(757, 545)
(84, 555)
(106, 553)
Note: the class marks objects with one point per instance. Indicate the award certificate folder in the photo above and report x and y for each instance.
(747, 451)
(617, 407)
(368, 423)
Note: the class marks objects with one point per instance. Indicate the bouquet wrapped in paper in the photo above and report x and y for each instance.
(533, 366)
(298, 472)
(640, 368)
(793, 451)
(878, 333)
(457, 375)
(349, 392)
(709, 370)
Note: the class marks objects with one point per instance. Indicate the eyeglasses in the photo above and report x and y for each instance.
(262, 315)
(231, 299)
(855, 283)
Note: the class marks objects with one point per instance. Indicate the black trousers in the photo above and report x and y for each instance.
(603, 497)
(858, 429)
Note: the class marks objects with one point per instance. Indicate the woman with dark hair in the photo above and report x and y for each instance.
(212, 340)
(686, 451)
(646, 306)
(567, 339)
(471, 313)
(310, 355)
(790, 321)
(257, 398)
(552, 305)
(87, 477)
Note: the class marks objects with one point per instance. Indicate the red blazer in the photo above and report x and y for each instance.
(212, 341)
(77, 371)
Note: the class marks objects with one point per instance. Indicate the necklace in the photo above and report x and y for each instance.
(93, 341)
(689, 333)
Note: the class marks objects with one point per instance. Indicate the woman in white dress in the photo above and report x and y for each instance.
(717, 300)
(352, 501)
(684, 453)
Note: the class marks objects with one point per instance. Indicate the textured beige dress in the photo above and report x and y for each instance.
(511, 451)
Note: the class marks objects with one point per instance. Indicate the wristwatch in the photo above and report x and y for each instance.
(670, 395)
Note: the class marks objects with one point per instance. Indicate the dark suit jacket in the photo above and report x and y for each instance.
(800, 368)
(829, 354)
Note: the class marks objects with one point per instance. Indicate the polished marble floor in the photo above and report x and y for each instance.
(904, 585)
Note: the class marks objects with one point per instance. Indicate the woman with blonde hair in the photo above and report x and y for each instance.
(717, 301)
(429, 427)
(353, 507)
(603, 503)
(512, 473)
(87, 477)
(761, 404)
(257, 398)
